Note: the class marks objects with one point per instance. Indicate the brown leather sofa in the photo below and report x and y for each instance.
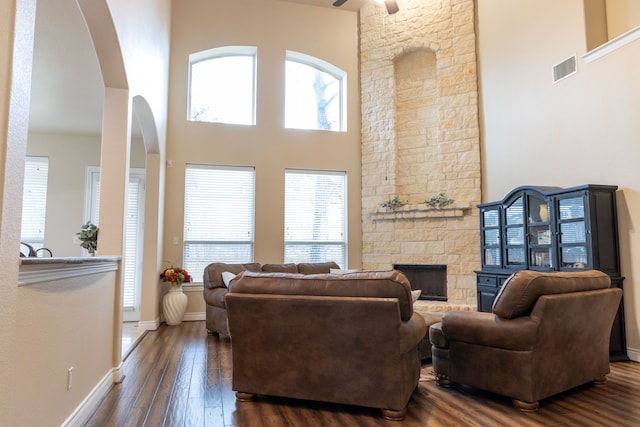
(349, 339)
(548, 332)
(215, 289)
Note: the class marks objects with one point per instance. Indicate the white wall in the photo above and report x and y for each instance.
(581, 130)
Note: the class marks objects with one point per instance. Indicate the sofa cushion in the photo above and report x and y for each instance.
(341, 271)
(522, 289)
(316, 267)
(212, 277)
(280, 268)
(374, 284)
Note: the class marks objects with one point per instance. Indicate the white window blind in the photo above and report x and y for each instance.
(34, 200)
(218, 216)
(133, 240)
(315, 216)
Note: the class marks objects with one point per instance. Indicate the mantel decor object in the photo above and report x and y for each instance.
(174, 302)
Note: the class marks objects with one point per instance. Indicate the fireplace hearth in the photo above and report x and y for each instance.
(431, 279)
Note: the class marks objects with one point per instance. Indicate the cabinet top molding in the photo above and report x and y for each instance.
(550, 191)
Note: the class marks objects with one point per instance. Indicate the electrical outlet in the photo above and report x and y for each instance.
(69, 378)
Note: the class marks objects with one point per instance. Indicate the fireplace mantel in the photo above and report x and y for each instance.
(421, 211)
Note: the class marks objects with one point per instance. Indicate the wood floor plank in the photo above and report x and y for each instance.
(180, 376)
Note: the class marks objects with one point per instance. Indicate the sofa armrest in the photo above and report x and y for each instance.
(412, 332)
(487, 329)
(215, 296)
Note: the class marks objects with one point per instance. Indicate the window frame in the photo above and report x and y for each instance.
(344, 241)
(222, 52)
(36, 243)
(325, 67)
(197, 275)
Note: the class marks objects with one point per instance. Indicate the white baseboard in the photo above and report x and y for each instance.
(194, 316)
(149, 325)
(634, 354)
(86, 408)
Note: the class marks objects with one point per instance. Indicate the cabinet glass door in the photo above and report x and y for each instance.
(539, 233)
(514, 234)
(491, 238)
(573, 233)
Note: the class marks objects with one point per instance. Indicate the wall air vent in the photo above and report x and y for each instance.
(566, 68)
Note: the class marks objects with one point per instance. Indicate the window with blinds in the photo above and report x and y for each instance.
(218, 216)
(132, 264)
(34, 200)
(315, 216)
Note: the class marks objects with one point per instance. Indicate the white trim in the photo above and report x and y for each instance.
(196, 287)
(91, 188)
(32, 273)
(194, 316)
(612, 45)
(90, 403)
(151, 325)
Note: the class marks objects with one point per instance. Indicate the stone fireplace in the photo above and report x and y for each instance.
(420, 137)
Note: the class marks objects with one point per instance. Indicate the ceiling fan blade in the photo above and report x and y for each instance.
(392, 6)
(339, 3)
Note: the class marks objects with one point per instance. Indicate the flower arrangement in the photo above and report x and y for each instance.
(394, 203)
(175, 275)
(88, 235)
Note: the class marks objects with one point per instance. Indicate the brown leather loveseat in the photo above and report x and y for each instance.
(349, 339)
(548, 332)
(215, 287)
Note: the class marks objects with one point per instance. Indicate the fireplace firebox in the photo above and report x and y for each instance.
(431, 279)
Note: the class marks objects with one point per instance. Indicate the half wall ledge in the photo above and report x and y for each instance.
(410, 212)
(37, 270)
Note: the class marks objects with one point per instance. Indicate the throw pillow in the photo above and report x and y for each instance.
(339, 271)
(415, 295)
(227, 277)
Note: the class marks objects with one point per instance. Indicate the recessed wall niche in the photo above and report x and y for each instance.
(416, 121)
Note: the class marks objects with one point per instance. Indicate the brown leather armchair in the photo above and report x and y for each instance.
(349, 339)
(548, 332)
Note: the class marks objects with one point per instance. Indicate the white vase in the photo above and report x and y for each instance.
(174, 304)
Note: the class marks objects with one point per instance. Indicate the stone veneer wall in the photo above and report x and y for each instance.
(420, 136)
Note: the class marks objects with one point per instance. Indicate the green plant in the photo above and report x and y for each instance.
(88, 235)
(394, 203)
(439, 201)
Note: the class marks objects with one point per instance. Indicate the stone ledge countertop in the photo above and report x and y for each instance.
(38, 270)
(68, 260)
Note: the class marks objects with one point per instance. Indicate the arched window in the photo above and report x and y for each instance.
(314, 94)
(222, 85)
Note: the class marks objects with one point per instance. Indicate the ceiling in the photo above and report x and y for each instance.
(353, 5)
(67, 89)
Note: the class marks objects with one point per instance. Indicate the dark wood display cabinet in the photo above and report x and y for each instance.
(551, 229)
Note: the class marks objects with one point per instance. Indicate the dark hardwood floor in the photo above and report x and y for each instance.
(180, 376)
